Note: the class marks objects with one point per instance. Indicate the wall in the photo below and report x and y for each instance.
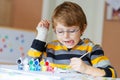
(14, 44)
(21, 14)
(26, 13)
(111, 41)
(5, 12)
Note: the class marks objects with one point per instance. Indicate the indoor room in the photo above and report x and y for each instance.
(20, 37)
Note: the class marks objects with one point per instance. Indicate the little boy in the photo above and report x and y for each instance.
(69, 23)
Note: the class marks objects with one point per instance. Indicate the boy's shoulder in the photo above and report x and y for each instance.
(89, 42)
(54, 42)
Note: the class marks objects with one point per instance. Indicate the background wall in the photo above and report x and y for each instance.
(14, 44)
(21, 14)
(5, 12)
(111, 41)
(26, 13)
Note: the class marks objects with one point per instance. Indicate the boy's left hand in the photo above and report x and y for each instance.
(78, 65)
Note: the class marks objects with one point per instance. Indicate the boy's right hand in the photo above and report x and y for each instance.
(42, 29)
(43, 24)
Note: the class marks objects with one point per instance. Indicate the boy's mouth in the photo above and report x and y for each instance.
(70, 42)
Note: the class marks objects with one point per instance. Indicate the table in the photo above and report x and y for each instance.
(10, 72)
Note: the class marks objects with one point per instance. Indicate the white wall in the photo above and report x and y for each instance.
(94, 10)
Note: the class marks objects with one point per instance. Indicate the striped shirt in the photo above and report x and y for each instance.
(59, 54)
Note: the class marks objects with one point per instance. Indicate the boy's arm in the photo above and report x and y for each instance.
(85, 68)
(100, 71)
(37, 49)
(101, 64)
(38, 44)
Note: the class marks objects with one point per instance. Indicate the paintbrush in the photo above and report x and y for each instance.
(84, 55)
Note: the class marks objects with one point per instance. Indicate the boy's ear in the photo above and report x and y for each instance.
(84, 27)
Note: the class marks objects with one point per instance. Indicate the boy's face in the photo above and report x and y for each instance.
(68, 36)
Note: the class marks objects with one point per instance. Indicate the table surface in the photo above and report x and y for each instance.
(12, 73)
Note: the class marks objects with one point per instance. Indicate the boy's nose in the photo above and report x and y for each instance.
(66, 35)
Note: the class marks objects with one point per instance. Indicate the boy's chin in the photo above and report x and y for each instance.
(69, 46)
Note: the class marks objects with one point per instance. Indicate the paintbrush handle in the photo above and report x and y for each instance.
(84, 55)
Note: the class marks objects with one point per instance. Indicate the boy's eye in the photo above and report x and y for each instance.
(72, 31)
(60, 31)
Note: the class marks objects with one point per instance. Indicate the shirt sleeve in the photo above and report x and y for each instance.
(37, 49)
(99, 60)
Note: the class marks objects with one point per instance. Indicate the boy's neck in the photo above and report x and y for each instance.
(69, 49)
